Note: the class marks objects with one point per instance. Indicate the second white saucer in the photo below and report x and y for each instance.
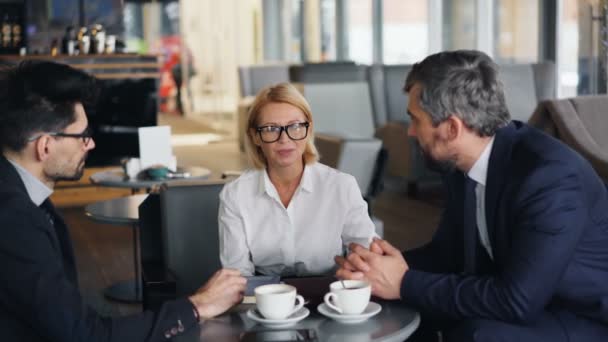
(278, 323)
(371, 310)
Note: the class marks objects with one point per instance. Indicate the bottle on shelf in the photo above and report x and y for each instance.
(84, 41)
(17, 33)
(54, 47)
(6, 28)
(68, 42)
(98, 38)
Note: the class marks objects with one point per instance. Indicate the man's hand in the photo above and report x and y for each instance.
(220, 293)
(348, 271)
(383, 267)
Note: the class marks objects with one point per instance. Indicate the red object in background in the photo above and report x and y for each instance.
(169, 48)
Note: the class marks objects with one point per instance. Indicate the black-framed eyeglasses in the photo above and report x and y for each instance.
(86, 135)
(295, 131)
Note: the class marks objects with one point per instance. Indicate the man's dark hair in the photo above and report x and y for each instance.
(39, 96)
(464, 83)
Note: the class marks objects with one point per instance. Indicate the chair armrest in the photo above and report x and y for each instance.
(355, 156)
(159, 285)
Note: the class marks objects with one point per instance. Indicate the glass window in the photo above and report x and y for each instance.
(406, 31)
(328, 30)
(459, 25)
(568, 46)
(516, 36)
(295, 40)
(360, 43)
(580, 48)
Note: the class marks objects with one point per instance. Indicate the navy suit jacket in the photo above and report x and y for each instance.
(39, 297)
(547, 219)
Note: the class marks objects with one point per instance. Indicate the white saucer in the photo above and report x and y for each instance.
(371, 310)
(278, 323)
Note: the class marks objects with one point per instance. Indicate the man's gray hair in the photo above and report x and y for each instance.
(463, 83)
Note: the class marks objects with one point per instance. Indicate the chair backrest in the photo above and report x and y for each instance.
(520, 90)
(328, 72)
(254, 78)
(544, 78)
(357, 157)
(525, 85)
(580, 122)
(342, 109)
(386, 87)
(189, 229)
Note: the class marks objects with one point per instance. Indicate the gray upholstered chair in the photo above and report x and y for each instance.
(526, 85)
(582, 123)
(327, 72)
(255, 77)
(343, 109)
(405, 160)
(179, 235)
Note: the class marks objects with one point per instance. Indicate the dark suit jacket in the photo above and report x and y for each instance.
(547, 219)
(39, 297)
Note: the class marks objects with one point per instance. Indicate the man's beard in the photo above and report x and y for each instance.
(440, 166)
(76, 175)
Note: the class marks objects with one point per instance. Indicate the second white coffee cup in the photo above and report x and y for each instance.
(348, 297)
(277, 301)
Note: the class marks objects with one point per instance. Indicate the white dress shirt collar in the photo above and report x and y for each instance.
(306, 183)
(37, 190)
(479, 171)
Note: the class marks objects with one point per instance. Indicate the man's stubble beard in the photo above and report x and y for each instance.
(440, 166)
(76, 175)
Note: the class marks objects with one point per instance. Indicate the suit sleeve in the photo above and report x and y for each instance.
(549, 216)
(35, 290)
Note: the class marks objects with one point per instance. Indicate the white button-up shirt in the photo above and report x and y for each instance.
(479, 173)
(325, 214)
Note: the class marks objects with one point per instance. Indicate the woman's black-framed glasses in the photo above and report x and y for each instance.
(295, 131)
(86, 135)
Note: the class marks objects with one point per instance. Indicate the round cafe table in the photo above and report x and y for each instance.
(396, 322)
(122, 211)
(116, 178)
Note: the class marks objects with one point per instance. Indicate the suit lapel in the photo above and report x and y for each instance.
(498, 172)
(60, 234)
(57, 231)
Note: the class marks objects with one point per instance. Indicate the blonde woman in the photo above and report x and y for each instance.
(289, 215)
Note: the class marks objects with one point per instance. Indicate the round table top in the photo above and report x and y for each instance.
(116, 178)
(124, 210)
(396, 322)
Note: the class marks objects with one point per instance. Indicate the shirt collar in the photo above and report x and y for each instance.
(37, 190)
(306, 183)
(479, 171)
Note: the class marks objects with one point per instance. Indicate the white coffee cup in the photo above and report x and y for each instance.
(277, 301)
(349, 300)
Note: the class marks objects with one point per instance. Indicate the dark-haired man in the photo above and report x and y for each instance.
(44, 138)
(521, 253)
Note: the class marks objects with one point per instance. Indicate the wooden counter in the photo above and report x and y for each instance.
(82, 192)
(102, 66)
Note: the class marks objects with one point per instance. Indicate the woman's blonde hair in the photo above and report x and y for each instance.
(279, 93)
